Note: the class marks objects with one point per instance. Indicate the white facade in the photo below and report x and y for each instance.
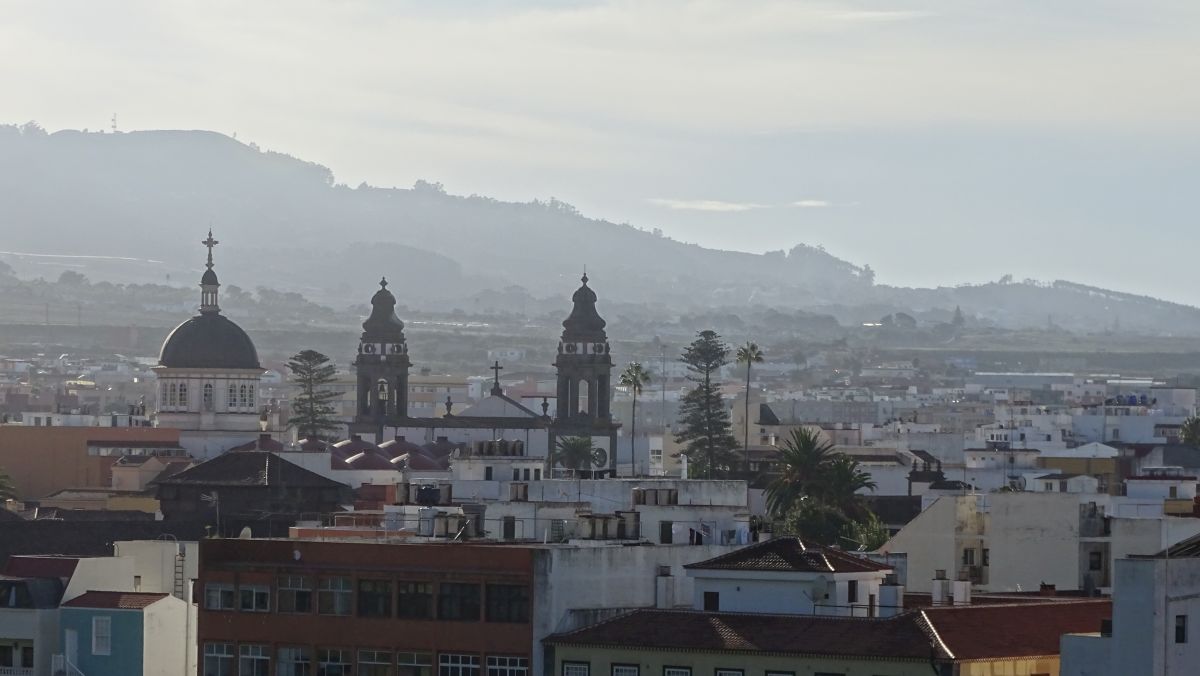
(788, 593)
(213, 409)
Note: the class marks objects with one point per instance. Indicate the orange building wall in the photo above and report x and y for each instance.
(43, 460)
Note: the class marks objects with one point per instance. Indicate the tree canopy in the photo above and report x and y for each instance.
(313, 413)
(706, 433)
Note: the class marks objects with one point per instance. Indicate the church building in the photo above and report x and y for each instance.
(496, 426)
(208, 377)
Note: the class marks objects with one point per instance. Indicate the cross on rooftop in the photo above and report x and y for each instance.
(210, 243)
(496, 368)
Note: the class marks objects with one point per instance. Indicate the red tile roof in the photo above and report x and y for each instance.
(942, 633)
(897, 638)
(1017, 630)
(790, 554)
(40, 566)
(114, 600)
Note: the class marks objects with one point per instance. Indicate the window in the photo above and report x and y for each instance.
(507, 666)
(242, 398)
(333, 662)
(293, 661)
(852, 591)
(729, 672)
(27, 657)
(487, 473)
(174, 399)
(458, 665)
(335, 596)
(987, 556)
(1095, 561)
(458, 601)
(625, 670)
(250, 397)
(254, 598)
(1173, 491)
(677, 671)
(414, 664)
(218, 596)
(712, 601)
(208, 396)
(374, 598)
(102, 635)
(664, 532)
(295, 594)
(183, 395)
(231, 396)
(1049, 486)
(1181, 628)
(254, 660)
(537, 474)
(968, 557)
(507, 603)
(374, 663)
(218, 659)
(576, 669)
(415, 600)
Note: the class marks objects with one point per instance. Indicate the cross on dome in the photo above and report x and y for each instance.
(497, 368)
(210, 243)
(383, 282)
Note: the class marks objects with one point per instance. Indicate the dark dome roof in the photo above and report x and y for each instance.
(208, 341)
(584, 321)
(209, 278)
(383, 324)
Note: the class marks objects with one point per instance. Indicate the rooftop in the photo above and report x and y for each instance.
(790, 554)
(111, 600)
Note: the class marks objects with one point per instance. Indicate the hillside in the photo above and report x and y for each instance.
(149, 196)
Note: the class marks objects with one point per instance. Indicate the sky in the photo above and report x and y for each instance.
(939, 142)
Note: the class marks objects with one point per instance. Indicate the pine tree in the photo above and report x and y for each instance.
(314, 415)
(706, 432)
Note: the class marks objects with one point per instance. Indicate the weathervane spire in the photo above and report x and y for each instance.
(210, 243)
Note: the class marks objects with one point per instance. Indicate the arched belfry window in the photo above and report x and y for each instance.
(383, 390)
(243, 401)
(208, 396)
(250, 396)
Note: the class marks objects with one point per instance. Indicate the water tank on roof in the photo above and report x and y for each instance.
(428, 494)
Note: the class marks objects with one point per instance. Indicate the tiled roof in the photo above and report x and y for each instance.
(898, 638)
(40, 566)
(790, 554)
(942, 633)
(110, 600)
(1013, 630)
(249, 468)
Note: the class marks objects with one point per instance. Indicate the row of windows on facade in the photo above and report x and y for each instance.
(585, 669)
(255, 660)
(458, 601)
(175, 395)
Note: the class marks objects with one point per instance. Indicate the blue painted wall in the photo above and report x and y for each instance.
(128, 636)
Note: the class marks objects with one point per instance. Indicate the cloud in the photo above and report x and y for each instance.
(705, 205)
(812, 204)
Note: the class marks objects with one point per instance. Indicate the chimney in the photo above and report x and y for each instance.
(891, 597)
(940, 590)
(664, 588)
(1047, 590)
(960, 590)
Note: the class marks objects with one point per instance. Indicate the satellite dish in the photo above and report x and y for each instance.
(599, 457)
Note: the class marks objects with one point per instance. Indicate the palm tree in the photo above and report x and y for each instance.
(802, 462)
(8, 491)
(1189, 432)
(573, 453)
(635, 378)
(748, 354)
(841, 480)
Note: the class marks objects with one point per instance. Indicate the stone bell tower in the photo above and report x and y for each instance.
(382, 365)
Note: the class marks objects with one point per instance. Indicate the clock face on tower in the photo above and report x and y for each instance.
(598, 348)
(397, 348)
(369, 348)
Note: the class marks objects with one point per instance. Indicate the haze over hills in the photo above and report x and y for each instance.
(286, 224)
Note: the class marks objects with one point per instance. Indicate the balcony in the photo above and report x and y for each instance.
(16, 671)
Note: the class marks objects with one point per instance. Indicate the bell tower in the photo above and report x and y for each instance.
(584, 365)
(382, 365)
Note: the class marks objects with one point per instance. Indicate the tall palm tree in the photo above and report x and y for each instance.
(635, 378)
(1189, 432)
(573, 453)
(748, 354)
(802, 462)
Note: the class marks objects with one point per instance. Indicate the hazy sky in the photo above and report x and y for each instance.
(940, 142)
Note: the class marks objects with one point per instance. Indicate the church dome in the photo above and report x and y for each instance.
(383, 324)
(584, 320)
(208, 341)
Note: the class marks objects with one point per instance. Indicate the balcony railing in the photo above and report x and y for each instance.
(16, 671)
